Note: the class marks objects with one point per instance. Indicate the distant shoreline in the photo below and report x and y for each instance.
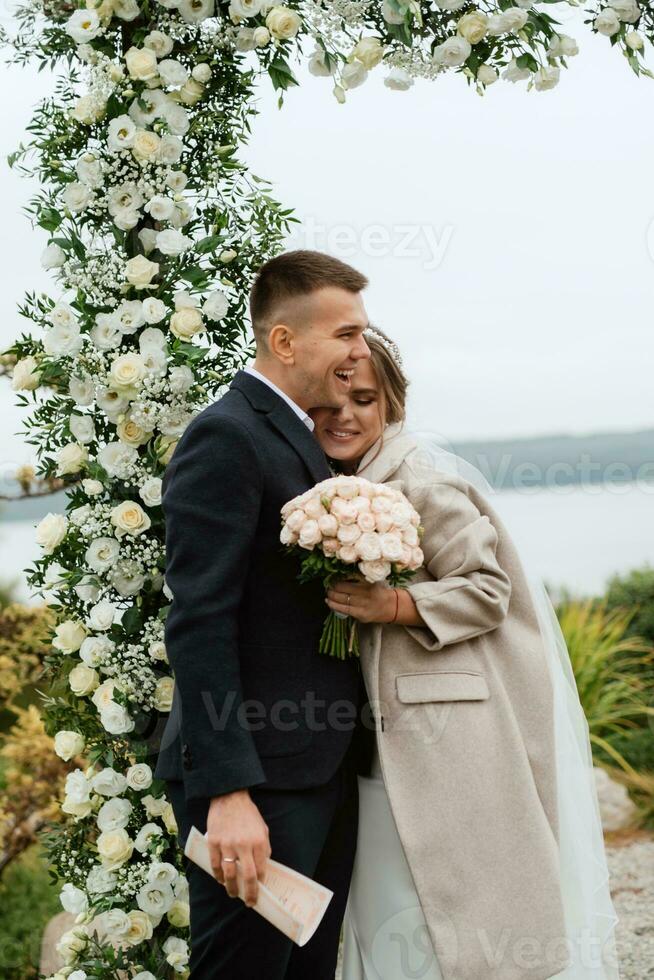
(508, 464)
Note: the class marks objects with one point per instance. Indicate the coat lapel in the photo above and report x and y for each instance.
(288, 424)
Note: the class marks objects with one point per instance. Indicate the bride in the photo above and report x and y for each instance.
(480, 850)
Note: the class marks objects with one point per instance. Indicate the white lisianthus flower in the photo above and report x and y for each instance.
(106, 334)
(215, 306)
(101, 616)
(154, 806)
(114, 814)
(473, 26)
(453, 52)
(283, 23)
(68, 636)
(140, 271)
(398, 80)
(163, 695)
(108, 782)
(318, 64)
(179, 914)
(144, 975)
(25, 376)
(80, 389)
(150, 492)
(115, 719)
(71, 944)
(157, 651)
(185, 323)
(67, 744)
(170, 149)
(173, 242)
(130, 315)
(160, 207)
(627, 10)
(114, 403)
(155, 898)
(514, 19)
(191, 92)
(154, 310)
(124, 197)
(92, 487)
(115, 847)
(82, 428)
(51, 531)
(369, 51)
(353, 74)
(127, 10)
(195, 11)
(176, 180)
(163, 873)
(76, 197)
(79, 515)
(62, 315)
(122, 131)
(177, 118)
(89, 170)
(53, 256)
(242, 9)
(176, 951)
(147, 833)
(148, 239)
(634, 40)
(83, 26)
(139, 776)
(117, 459)
(63, 341)
(111, 926)
(148, 106)
(141, 63)
(181, 378)
(487, 75)
(173, 73)
(513, 73)
(83, 680)
(126, 219)
(152, 339)
(71, 458)
(158, 42)
(88, 109)
(100, 880)
(562, 46)
(183, 299)
(73, 899)
(94, 651)
(129, 518)
(202, 73)
(546, 78)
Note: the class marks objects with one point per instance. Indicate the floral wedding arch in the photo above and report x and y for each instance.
(155, 229)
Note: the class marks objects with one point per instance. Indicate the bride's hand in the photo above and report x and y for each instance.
(368, 602)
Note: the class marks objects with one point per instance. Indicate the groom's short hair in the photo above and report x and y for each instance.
(296, 273)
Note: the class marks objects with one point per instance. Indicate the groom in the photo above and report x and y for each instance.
(259, 749)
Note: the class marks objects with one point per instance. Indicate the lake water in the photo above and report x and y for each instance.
(576, 536)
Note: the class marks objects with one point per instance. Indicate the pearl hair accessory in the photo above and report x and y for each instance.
(389, 345)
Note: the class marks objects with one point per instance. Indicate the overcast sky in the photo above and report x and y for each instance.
(505, 237)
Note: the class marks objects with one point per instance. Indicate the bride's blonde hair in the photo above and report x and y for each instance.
(386, 363)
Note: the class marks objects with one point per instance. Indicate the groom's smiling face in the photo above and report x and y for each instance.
(328, 344)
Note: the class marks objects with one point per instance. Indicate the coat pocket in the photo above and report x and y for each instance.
(441, 685)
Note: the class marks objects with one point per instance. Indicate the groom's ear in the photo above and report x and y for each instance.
(281, 343)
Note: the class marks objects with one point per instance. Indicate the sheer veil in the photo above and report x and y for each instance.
(589, 913)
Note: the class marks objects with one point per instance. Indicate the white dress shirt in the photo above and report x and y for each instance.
(308, 421)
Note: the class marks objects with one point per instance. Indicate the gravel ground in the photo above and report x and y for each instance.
(631, 867)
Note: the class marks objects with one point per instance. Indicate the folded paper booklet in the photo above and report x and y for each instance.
(290, 901)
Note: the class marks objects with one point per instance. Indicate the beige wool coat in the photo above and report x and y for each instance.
(465, 733)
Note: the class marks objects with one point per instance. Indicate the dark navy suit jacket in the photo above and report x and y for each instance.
(254, 702)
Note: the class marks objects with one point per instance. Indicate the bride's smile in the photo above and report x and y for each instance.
(347, 433)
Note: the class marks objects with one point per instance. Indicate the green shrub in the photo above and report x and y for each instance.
(27, 901)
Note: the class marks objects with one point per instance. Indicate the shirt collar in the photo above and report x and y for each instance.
(308, 421)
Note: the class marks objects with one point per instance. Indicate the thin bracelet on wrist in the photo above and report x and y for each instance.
(397, 605)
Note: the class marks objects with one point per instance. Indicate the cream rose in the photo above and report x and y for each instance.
(146, 145)
(115, 847)
(369, 51)
(69, 636)
(140, 271)
(163, 694)
(68, 744)
(129, 518)
(51, 531)
(71, 458)
(185, 323)
(141, 63)
(473, 26)
(83, 680)
(127, 370)
(375, 571)
(283, 23)
(25, 376)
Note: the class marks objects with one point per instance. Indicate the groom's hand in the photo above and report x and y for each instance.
(236, 829)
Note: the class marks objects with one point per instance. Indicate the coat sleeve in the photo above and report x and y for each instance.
(211, 500)
(470, 593)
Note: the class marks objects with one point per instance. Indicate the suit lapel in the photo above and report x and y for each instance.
(288, 424)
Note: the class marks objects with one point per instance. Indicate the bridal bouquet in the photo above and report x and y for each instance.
(352, 528)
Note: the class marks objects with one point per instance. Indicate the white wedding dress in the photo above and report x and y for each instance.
(385, 933)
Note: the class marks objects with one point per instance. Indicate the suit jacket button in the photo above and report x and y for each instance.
(186, 757)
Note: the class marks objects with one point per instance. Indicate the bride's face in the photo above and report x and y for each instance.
(347, 433)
